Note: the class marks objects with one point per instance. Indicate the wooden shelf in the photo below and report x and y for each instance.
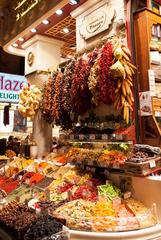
(143, 22)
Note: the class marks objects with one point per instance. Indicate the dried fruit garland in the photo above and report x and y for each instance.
(93, 82)
(81, 95)
(48, 95)
(69, 74)
(86, 81)
(63, 117)
(106, 85)
(55, 112)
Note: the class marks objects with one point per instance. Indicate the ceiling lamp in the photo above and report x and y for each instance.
(59, 12)
(73, 2)
(15, 45)
(33, 30)
(21, 39)
(66, 30)
(45, 22)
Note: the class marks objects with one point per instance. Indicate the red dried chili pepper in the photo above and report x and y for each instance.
(106, 85)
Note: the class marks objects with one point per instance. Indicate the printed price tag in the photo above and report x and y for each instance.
(116, 202)
(104, 137)
(107, 174)
(71, 137)
(152, 164)
(27, 181)
(127, 195)
(81, 137)
(40, 169)
(92, 137)
(20, 177)
(119, 137)
(38, 211)
(116, 165)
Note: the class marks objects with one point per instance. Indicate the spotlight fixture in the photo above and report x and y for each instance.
(33, 30)
(15, 45)
(73, 2)
(21, 39)
(45, 22)
(59, 12)
(66, 30)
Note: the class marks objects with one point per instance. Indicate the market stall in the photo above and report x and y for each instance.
(89, 184)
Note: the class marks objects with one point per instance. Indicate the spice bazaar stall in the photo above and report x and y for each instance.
(90, 185)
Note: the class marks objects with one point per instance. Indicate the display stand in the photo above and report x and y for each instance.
(145, 234)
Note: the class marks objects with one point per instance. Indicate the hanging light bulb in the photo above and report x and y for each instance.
(73, 2)
(59, 12)
(66, 30)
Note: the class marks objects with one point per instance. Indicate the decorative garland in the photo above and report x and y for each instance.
(102, 75)
(47, 101)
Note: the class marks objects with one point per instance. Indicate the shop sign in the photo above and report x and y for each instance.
(24, 6)
(10, 86)
(97, 21)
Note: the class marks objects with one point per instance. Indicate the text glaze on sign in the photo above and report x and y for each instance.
(10, 86)
(97, 21)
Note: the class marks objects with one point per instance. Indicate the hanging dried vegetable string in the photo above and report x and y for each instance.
(59, 115)
(93, 82)
(55, 112)
(68, 74)
(106, 85)
(81, 95)
(122, 71)
(47, 102)
(62, 117)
